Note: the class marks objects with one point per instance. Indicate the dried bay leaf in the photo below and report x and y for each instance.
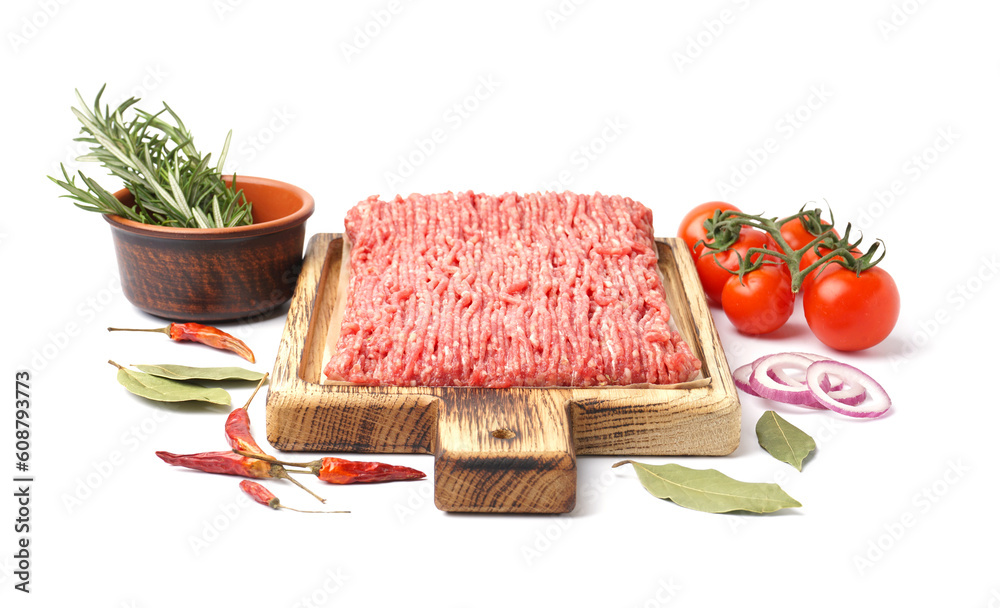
(783, 440)
(709, 490)
(164, 389)
(184, 372)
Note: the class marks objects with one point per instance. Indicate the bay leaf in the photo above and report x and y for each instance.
(709, 490)
(184, 372)
(783, 440)
(163, 389)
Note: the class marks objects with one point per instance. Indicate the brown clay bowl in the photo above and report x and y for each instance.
(216, 274)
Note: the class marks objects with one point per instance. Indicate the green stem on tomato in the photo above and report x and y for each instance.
(724, 227)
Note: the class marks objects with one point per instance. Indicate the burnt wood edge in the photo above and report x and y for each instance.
(286, 386)
(450, 489)
(721, 416)
(528, 482)
(412, 418)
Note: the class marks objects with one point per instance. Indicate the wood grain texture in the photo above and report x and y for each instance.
(507, 451)
(695, 418)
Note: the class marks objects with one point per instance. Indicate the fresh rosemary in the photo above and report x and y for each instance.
(172, 183)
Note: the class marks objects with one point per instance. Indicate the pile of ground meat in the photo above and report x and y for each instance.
(513, 290)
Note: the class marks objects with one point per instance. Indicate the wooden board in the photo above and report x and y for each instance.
(498, 450)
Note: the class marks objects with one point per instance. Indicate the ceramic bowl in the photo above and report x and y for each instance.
(215, 274)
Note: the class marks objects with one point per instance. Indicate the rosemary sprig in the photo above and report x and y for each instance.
(173, 184)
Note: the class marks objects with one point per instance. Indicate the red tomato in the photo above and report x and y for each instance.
(810, 257)
(692, 228)
(796, 235)
(713, 278)
(762, 303)
(850, 312)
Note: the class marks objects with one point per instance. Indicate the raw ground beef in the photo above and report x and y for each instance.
(513, 290)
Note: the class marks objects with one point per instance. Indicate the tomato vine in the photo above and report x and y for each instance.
(724, 227)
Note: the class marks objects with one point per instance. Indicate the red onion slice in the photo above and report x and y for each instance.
(812, 356)
(848, 394)
(785, 378)
(875, 405)
(770, 387)
(832, 385)
(741, 377)
(781, 376)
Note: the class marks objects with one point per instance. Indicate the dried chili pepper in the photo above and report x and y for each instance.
(225, 463)
(265, 497)
(238, 426)
(341, 471)
(205, 334)
(231, 463)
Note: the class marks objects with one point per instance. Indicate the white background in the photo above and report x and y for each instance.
(696, 90)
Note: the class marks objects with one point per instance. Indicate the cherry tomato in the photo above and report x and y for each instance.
(796, 235)
(762, 303)
(850, 312)
(810, 257)
(692, 227)
(713, 278)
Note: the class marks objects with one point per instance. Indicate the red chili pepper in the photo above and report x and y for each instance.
(231, 463)
(205, 334)
(238, 426)
(225, 463)
(265, 497)
(341, 471)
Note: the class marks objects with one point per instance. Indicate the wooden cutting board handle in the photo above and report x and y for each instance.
(508, 451)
